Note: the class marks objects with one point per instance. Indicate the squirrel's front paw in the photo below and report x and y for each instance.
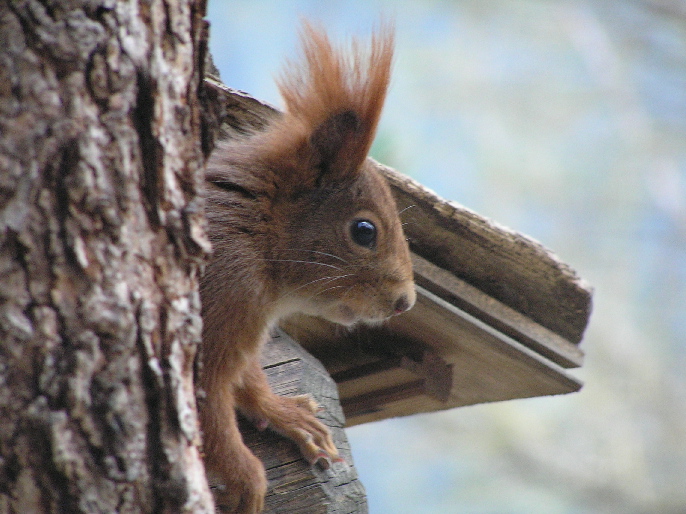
(294, 417)
(239, 487)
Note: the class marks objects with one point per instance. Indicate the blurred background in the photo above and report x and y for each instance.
(564, 120)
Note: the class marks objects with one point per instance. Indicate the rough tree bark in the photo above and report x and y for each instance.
(101, 244)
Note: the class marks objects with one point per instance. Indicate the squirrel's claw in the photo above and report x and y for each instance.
(323, 460)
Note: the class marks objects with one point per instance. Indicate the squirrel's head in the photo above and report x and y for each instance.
(343, 255)
(336, 247)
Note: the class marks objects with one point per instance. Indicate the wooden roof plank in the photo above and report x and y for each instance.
(455, 334)
(508, 321)
(508, 266)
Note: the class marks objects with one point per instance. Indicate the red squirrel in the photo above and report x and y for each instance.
(300, 222)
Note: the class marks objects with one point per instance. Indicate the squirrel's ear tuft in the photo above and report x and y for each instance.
(333, 103)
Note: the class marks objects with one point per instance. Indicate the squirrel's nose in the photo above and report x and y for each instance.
(402, 304)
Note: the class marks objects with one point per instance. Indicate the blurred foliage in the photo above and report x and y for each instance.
(565, 121)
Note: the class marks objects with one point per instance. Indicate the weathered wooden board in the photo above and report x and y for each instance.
(294, 485)
(487, 364)
(447, 286)
(505, 265)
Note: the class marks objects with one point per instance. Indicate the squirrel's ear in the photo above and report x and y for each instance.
(337, 146)
(333, 102)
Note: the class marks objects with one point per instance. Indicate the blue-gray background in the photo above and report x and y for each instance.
(564, 120)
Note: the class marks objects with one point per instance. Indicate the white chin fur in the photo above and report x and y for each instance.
(344, 315)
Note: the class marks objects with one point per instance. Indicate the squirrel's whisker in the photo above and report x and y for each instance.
(328, 279)
(325, 290)
(317, 252)
(408, 207)
(304, 262)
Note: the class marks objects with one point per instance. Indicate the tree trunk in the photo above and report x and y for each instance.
(101, 244)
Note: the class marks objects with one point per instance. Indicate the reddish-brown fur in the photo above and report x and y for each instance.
(280, 206)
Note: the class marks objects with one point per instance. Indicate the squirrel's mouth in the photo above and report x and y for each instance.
(352, 311)
(339, 313)
(345, 315)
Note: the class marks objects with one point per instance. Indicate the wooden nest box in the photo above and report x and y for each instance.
(497, 317)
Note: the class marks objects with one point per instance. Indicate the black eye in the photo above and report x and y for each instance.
(363, 233)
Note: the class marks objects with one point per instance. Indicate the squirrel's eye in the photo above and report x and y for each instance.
(363, 233)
